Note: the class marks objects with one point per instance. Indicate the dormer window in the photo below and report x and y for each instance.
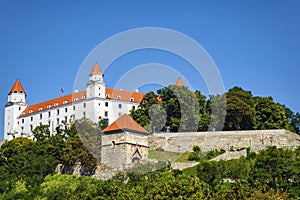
(65, 102)
(48, 106)
(76, 99)
(118, 97)
(23, 113)
(107, 96)
(30, 111)
(131, 99)
(40, 108)
(83, 97)
(55, 104)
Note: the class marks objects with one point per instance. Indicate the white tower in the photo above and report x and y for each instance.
(96, 85)
(16, 104)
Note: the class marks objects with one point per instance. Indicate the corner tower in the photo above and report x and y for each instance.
(96, 85)
(16, 104)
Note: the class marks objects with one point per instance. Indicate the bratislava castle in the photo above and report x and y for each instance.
(93, 102)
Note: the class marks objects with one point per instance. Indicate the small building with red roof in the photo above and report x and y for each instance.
(124, 142)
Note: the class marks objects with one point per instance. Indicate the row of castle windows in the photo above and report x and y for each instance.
(65, 120)
(74, 108)
(76, 99)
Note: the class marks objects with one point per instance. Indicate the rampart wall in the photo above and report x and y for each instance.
(256, 139)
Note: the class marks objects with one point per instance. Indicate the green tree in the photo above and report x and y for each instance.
(217, 112)
(240, 110)
(182, 108)
(102, 122)
(41, 132)
(269, 115)
(204, 115)
(293, 120)
(140, 115)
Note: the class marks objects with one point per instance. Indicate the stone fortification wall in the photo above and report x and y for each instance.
(256, 139)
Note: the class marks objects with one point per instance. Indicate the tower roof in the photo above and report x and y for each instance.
(17, 87)
(179, 82)
(96, 69)
(125, 123)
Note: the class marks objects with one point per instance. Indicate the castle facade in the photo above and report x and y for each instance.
(94, 102)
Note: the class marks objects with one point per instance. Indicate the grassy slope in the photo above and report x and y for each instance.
(168, 155)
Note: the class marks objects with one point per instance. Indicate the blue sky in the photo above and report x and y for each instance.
(255, 44)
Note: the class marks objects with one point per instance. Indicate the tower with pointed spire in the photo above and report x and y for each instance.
(16, 104)
(179, 82)
(96, 85)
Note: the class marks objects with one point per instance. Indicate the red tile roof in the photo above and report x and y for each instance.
(53, 103)
(17, 88)
(123, 95)
(125, 123)
(128, 96)
(96, 69)
(179, 82)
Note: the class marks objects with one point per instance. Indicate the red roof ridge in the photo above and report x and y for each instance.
(179, 82)
(17, 87)
(54, 103)
(124, 95)
(125, 123)
(96, 69)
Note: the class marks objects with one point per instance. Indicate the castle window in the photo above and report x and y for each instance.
(49, 123)
(22, 128)
(120, 105)
(57, 111)
(66, 119)
(22, 121)
(19, 108)
(107, 96)
(99, 104)
(84, 114)
(84, 105)
(31, 127)
(106, 113)
(41, 124)
(106, 104)
(31, 118)
(57, 121)
(41, 116)
(49, 114)
(73, 107)
(113, 144)
(133, 107)
(120, 114)
(66, 109)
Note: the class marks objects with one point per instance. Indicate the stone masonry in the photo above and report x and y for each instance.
(255, 139)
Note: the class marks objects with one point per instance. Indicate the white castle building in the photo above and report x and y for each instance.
(95, 101)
